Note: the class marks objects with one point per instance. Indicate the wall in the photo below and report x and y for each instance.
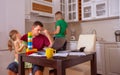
(11, 17)
(6, 58)
(28, 24)
(105, 29)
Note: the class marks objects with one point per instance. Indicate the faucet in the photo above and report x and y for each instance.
(94, 32)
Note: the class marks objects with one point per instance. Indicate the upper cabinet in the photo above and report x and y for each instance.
(96, 9)
(41, 7)
(86, 1)
(113, 7)
(73, 8)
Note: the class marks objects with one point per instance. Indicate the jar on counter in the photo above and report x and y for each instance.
(117, 35)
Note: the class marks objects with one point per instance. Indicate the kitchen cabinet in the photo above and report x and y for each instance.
(101, 9)
(112, 54)
(87, 12)
(113, 8)
(119, 9)
(86, 1)
(100, 58)
(97, 9)
(94, 9)
(73, 10)
(40, 7)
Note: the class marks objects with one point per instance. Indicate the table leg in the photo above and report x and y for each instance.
(93, 65)
(60, 69)
(21, 70)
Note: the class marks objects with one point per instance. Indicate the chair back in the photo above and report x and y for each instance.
(88, 41)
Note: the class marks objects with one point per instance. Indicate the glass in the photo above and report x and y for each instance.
(69, 7)
(100, 6)
(99, 0)
(63, 1)
(70, 16)
(63, 7)
(69, 1)
(60, 1)
(86, 15)
(74, 7)
(74, 15)
(87, 9)
(87, 12)
(100, 10)
(100, 13)
(73, 1)
(86, 1)
(63, 14)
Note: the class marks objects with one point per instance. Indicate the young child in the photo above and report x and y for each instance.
(19, 47)
(60, 34)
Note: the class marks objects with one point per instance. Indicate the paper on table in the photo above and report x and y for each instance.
(36, 54)
(77, 53)
(61, 54)
(56, 54)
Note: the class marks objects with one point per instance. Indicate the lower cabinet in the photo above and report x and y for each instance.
(112, 59)
(100, 58)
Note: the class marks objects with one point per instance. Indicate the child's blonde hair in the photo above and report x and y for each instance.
(12, 35)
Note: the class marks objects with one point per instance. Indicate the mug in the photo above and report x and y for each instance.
(49, 52)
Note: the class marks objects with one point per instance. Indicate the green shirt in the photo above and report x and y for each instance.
(63, 26)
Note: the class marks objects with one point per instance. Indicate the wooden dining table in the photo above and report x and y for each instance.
(58, 63)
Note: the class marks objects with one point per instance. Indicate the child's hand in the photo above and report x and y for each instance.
(45, 31)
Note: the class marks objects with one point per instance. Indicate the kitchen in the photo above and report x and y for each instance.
(83, 17)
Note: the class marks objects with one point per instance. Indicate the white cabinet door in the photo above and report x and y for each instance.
(100, 59)
(101, 10)
(113, 7)
(63, 7)
(87, 1)
(39, 7)
(112, 58)
(87, 12)
(72, 10)
(94, 9)
(119, 9)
